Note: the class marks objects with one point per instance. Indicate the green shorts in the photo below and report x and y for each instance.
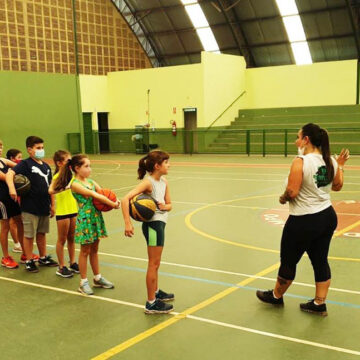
(154, 232)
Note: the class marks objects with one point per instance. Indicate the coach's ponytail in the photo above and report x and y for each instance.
(325, 151)
(320, 138)
(148, 162)
(65, 173)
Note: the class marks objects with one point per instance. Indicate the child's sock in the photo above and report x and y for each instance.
(97, 277)
(83, 281)
(151, 301)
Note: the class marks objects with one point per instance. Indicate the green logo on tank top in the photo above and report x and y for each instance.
(321, 177)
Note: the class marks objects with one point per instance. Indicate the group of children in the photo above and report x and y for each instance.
(68, 195)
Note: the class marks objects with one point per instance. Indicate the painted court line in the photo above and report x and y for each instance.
(276, 336)
(251, 247)
(224, 272)
(155, 329)
(192, 317)
(71, 292)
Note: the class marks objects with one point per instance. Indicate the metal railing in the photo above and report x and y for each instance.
(216, 141)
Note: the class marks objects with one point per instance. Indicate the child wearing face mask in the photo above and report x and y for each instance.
(37, 205)
(14, 155)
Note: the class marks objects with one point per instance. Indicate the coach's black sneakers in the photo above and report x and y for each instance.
(31, 267)
(268, 297)
(47, 261)
(311, 307)
(158, 307)
(162, 295)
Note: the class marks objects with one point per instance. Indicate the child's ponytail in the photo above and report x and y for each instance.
(65, 175)
(148, 162)
(142, 168)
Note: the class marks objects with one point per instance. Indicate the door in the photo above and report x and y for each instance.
(103, 126)
(88, 133)
(190, 121)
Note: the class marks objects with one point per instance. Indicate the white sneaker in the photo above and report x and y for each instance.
(17, 248)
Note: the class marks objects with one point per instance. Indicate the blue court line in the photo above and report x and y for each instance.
(222, 283)
(137, 224)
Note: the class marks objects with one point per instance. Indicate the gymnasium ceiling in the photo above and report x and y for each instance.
(251, 28)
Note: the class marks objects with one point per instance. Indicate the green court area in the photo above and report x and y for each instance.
(222, 243)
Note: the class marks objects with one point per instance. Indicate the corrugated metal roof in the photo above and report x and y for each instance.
(252, 28)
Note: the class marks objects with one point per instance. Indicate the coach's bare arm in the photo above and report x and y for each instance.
(338, 181)
(294, 181)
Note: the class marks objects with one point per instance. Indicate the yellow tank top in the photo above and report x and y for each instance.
(65, 202)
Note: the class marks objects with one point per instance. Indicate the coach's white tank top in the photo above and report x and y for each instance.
(158, 193)
(314, 195)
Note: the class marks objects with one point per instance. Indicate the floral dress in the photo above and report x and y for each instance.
(90, 225)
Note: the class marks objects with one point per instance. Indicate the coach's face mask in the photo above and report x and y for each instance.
(301, 151)
(39, 154)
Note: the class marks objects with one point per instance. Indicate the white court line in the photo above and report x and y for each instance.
(70, 292)
(248, 207)
(192, 317)
(220, 271)
(212, 270)
(125, 187)
(131, 172)
(282, 337)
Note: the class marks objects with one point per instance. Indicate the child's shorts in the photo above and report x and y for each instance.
(154, 232)
(34, 224)
(8, 208)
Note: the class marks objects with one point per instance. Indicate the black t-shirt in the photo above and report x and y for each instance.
(4, 190)
(37, 200)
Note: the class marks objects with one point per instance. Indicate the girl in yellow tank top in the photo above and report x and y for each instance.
(66, 212)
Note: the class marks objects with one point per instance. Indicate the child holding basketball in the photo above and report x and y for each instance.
(156, 163)
(66, 212)
(37, 206)
(90, 226)
(9, 210)
(15, 156)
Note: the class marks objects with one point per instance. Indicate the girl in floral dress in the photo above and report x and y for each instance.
(90, 226)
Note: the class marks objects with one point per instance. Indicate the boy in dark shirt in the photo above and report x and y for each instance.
(36, 205)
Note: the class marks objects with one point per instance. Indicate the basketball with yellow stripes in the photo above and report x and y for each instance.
(142, 207)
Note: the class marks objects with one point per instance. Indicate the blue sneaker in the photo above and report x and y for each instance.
(103, 283)
(86, 289)
(163, 296)
(158, 307)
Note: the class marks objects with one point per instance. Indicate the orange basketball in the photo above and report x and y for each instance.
(101, 206)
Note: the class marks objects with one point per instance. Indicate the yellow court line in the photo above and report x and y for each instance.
(251, 247)
(155, 329)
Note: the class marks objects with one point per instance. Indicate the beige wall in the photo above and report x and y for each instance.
(224, 81)
(328, 83)
(211, 87)
(170, 87)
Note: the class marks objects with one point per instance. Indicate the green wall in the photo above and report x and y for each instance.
(39, 104)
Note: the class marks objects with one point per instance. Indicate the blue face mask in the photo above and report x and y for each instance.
(39, 154)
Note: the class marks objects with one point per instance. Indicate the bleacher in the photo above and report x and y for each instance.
(273, 131)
